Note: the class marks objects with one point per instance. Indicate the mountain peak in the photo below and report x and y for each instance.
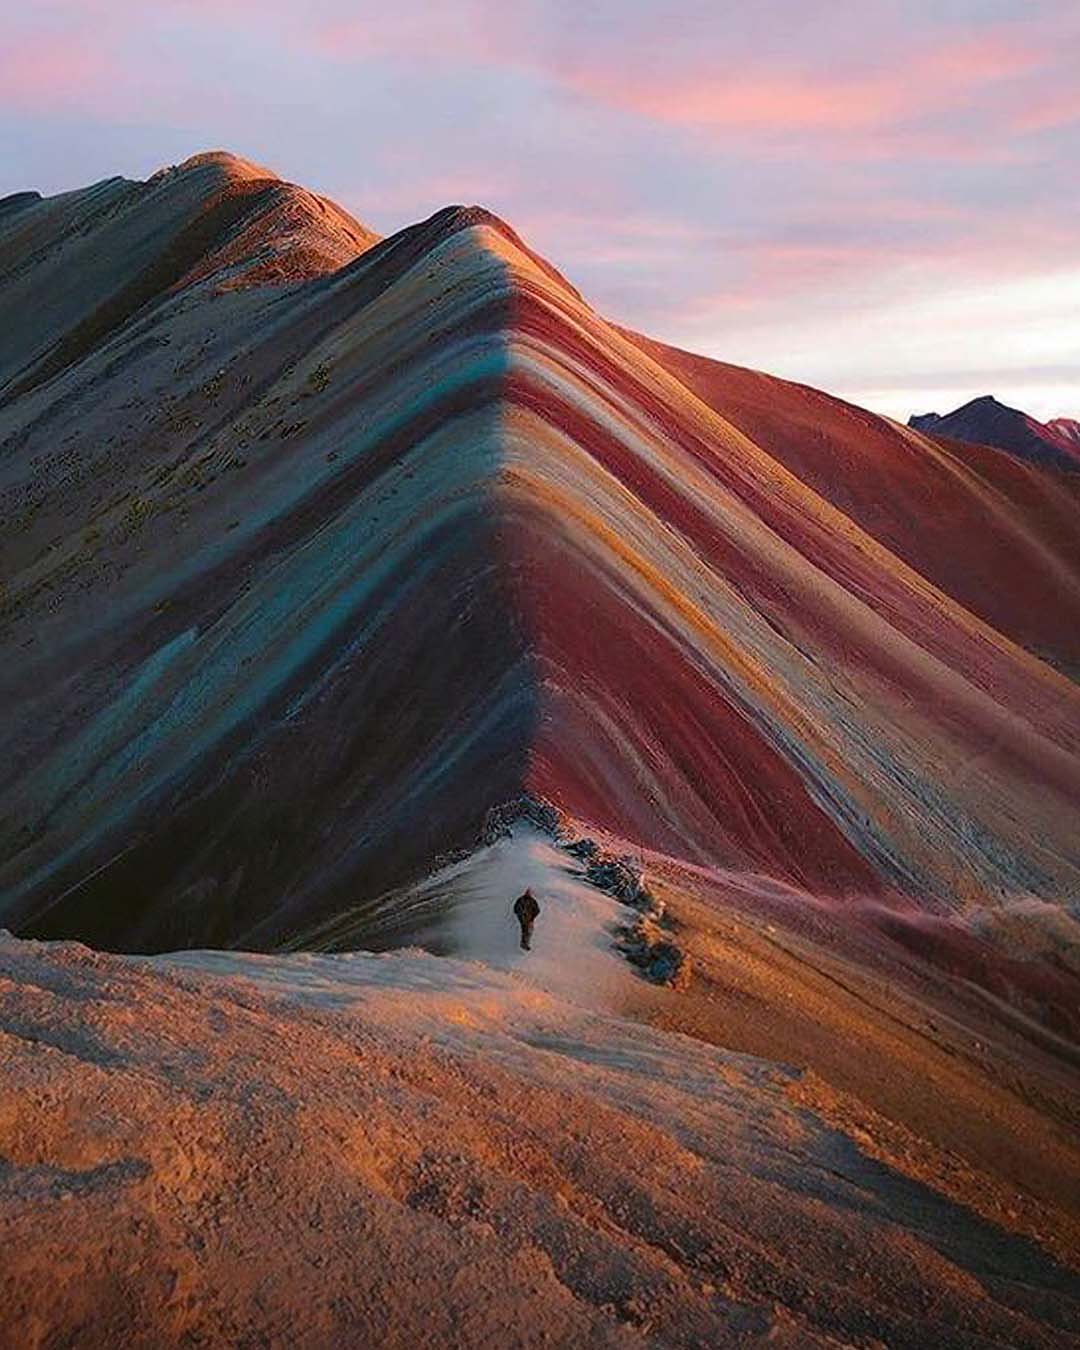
(1068, 427)
(233, 167)
(502, 239)
(126, 246)
(987, 421)
(457, 216)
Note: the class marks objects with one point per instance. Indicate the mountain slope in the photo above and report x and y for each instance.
(952, 511)
(1068, 427)
(87, 262)
(304, 577)
(315, 548)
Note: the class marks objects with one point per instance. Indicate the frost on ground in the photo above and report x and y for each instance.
(467, 910)
(470, 1150)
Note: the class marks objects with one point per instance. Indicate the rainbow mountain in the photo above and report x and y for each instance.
(316, 546)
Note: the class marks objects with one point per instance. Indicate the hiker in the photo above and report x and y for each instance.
(526, 909)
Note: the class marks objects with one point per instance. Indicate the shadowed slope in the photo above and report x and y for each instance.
(289, 683)
(347, 562)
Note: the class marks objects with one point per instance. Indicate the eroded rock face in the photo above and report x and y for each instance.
(648, 947)
(620, 876)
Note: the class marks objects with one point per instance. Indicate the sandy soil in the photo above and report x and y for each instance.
(227, 1149)
(948, 1083)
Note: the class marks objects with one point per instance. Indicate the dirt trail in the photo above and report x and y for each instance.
(572, 953)
(466, 910)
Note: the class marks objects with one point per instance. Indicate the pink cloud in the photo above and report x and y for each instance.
(778, 97)
(43, 70)
(771, 97)
(1048, 110)
(436, 34)
(769, 275)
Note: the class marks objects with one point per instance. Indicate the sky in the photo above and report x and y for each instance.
(878, 197)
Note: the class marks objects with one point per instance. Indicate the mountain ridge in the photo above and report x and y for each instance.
(215, 216)
(421, 532)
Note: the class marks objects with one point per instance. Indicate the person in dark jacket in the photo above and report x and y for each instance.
(526, 909)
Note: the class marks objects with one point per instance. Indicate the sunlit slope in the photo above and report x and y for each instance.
(420, 1150)
(734, 666)
(303, 578)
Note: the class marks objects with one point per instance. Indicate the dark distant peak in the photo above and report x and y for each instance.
(17, 201)
(987, 421)
(987, 403)
(977, 413)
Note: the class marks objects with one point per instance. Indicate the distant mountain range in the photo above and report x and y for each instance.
(985, 421)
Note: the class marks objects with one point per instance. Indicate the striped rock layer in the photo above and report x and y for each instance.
(315, 547)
